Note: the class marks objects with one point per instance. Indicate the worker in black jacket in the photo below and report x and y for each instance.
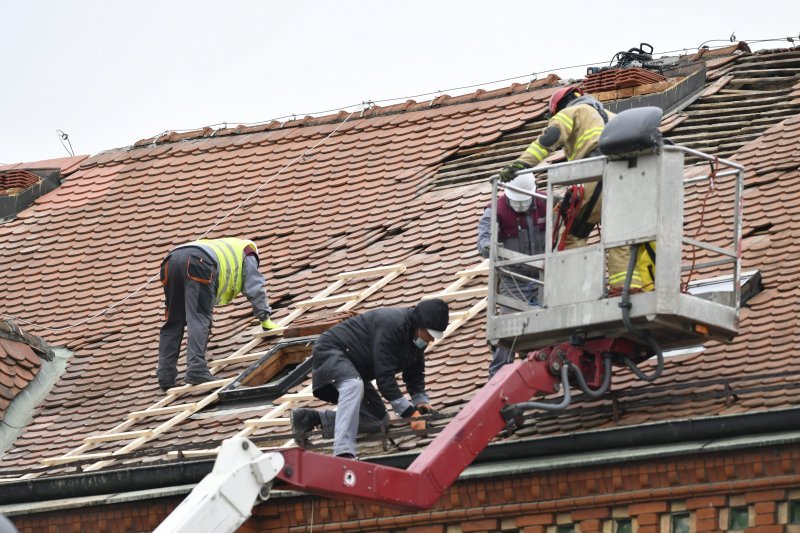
(374, 345)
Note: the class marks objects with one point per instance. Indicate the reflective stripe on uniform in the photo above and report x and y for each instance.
(618, 279)
(537, 150)
(564, 119)
(587, 136)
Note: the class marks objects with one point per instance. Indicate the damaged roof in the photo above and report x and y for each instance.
(399, 185)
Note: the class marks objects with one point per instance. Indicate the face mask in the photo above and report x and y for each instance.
(520, 206)
(420, 343)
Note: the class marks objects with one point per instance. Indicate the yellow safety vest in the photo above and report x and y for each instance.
(229, 252)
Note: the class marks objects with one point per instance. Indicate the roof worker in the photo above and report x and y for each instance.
(374, 345)
(576, 122)
(197, 276)
(521, 227)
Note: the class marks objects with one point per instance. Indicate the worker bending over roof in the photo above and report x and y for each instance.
(374, 345)
(196, 277)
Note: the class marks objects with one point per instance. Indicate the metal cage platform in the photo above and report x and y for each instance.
(643, 201)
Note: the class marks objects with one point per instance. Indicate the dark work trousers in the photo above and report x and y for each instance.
(189, 278)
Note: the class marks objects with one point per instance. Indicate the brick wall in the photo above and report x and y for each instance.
(700, 490)
(136, 516)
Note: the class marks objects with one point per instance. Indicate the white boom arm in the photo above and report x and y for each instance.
(224, 499)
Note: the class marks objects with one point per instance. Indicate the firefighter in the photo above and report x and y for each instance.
(196, 276)
(375, 345)
(521, 227)
(576, 122)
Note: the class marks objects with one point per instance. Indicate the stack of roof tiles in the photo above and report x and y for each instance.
(620, 78)
(14, 181)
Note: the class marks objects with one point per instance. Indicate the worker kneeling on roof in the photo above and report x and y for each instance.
(576, 122)
(374, 345)
(196, 276)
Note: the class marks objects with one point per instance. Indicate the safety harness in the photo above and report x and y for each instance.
(570, 205)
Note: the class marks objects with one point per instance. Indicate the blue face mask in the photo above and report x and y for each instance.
(420, 343)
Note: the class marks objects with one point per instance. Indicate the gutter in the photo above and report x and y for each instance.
(647, 441)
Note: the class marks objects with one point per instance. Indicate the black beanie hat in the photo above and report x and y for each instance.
(431, 314)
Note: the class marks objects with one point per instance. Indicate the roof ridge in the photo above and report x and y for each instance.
(440, 101)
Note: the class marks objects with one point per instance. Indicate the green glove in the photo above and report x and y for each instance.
(268, 324)
(508, 172)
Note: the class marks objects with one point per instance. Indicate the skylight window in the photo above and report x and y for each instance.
(720, 288)
(282, 367)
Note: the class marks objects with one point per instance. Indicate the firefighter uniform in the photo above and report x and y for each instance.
(577, 129)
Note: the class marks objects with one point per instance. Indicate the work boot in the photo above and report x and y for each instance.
(346, 456)
(165, 386)
(197, 379)
(303, 422)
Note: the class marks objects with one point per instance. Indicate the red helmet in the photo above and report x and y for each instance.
(560, 94)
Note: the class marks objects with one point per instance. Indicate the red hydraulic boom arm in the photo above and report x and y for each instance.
(439, 465)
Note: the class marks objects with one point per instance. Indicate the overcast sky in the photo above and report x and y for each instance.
(109, 73)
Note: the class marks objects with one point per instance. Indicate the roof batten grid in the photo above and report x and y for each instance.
(140, 437)
(275, 417)
(751, 100)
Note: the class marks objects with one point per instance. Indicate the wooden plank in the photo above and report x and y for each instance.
(160, 411)
(295, 398)
(335, 299)
(471, 312)
(216, 384)
(238, 359)
(64, 459)
(371, 272)
(276, 412)
(269, 422)
(774, 80)
(243, 350)
(259, 334)
(769, 72)
(758, 110)
(480, 270)
(366, 293)
(109, 437)
(466, 293)
(85, 447)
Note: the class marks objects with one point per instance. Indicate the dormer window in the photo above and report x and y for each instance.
(19, 188)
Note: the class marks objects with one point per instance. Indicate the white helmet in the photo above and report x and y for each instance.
(521, 202)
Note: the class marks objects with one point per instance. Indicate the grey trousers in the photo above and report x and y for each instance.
(189, 279)
(354, 413)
